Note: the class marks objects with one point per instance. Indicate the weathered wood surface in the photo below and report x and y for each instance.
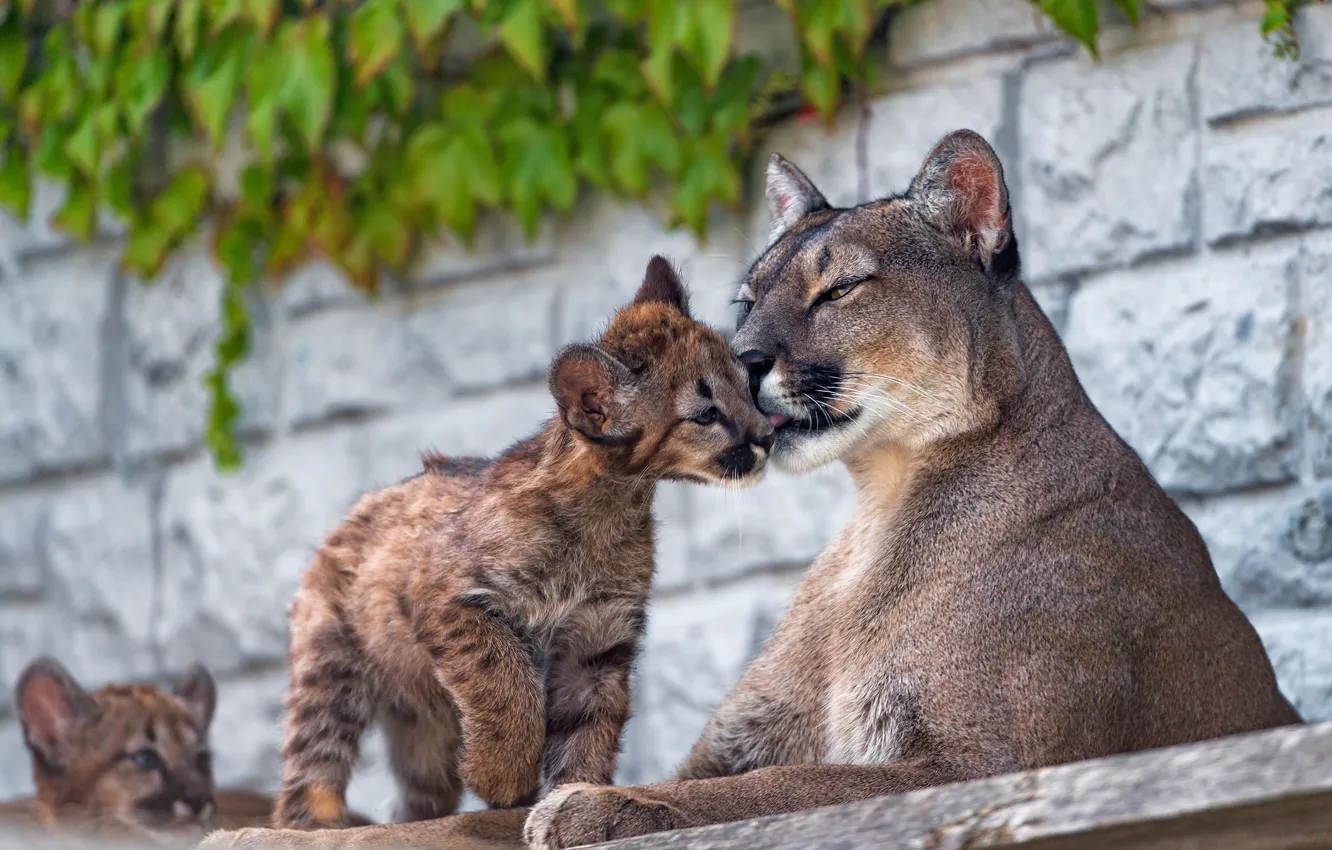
(1264, 791)
(1269, 791)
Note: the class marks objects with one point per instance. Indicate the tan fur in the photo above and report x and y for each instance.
(488, 612)
(1014, 590)
(82, 747)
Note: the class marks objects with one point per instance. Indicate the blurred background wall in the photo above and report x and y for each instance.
(1174, 208)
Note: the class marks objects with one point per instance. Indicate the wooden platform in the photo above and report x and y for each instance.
(1265, 791)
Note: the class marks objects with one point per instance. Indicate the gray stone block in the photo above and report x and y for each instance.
(22, 524)
(388, 450)
(354, 361)
(233, 547)
(1272, 548)
(1191, 363)
(171, 326)
(945, 29)
(315, 286)
(616, 239)
(904, 127)
(51, 363)
(695, 650)
(1239, 76)
(1266, 176)
(1315, 270)
(1297, 642)
(15, 762)
(498, 246)
(1107, 165)
(247, 734)
(487, 334)
(673, 510)
(783, 521)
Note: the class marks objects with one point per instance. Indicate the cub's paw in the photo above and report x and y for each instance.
(573, 815)
(498, 780)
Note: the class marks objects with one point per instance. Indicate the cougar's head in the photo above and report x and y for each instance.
(124, 758)
(866, 325)
(662, 395)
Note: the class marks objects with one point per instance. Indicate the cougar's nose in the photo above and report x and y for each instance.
(757, 363)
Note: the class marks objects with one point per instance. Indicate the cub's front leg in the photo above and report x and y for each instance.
(492, 679)
(587, 705)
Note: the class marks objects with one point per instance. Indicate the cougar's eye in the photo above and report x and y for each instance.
(839, 291)
(707, 417)
(146, 759)
(743, 306)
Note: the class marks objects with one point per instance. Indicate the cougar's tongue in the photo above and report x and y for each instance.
(778, 419)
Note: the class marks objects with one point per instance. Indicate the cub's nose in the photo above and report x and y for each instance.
(765, 441)
(757, 363)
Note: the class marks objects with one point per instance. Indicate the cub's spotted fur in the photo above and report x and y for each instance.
(487, 612)
(129, 760)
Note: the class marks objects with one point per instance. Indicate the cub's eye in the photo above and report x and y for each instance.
(203, 762)
(707, 417)
(146, 759)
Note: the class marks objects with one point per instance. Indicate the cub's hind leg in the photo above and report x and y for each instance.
(423, 752)
(329, 704)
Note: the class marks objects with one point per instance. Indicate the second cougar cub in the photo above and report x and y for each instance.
(487, 612)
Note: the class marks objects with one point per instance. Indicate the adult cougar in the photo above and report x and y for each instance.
(1014, 591)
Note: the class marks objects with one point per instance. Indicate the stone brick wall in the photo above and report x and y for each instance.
(1174, 205)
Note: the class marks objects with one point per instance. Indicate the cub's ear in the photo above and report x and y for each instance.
(51, 707)
(791, 196)
(662, 283)
(584, 379)
(199, 693)
(961, 186)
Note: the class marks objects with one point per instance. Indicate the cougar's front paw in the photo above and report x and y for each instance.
(498, 781)
(573, 815)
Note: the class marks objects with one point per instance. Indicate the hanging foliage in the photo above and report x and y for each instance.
(364, 126)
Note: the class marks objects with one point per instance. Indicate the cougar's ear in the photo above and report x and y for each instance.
(51, 707)
(584, 381)
(197, 690)
(662, 283)
(791, 196)
(961, 186)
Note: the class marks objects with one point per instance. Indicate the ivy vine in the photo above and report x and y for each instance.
(365, 125)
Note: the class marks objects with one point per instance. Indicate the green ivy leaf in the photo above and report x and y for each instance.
(453, 171)
(78, 214)
(145, 247)
(710, 175)
(397, 85)
(16, 182)
(81, 147)
(181, 202)
(641, 138)
(1075, 17)
(426, 19)
(822, 88)
(140, 84)
(1132, 10)
(376, 38)
(524, 36)
(13, 57)
(708, 28)
(311, 74)
(107, 23)
(537, 170)
(223, 13)
(148, 18)
(262, 12)
(212, 79)
(189, 16)
(264, 80)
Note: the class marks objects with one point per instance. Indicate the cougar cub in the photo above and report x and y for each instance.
(487, 612)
